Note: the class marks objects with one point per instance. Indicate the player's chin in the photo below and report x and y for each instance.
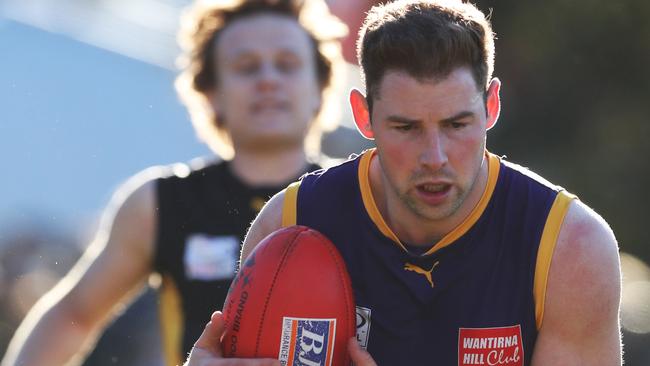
(435, 212)
(273, 140)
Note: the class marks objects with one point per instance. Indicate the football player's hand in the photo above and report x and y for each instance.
(359, 356)
(207, 349)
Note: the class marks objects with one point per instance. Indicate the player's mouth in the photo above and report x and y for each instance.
(267, 105)
(433, 193)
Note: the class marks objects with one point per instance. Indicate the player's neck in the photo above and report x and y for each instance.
(416, 230)
(261, 168)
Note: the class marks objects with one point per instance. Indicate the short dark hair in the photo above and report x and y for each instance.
(426, 39)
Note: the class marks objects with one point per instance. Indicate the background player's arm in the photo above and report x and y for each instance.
(67, 319)
(581, 317)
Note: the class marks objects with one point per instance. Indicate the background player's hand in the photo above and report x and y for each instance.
(207, 349)
(359, 356)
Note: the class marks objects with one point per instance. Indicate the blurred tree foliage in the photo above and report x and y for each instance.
(576, 102)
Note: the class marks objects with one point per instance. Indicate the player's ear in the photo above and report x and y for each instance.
(361, 114)
(493, 103)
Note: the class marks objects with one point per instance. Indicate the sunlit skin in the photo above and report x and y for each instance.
(268, 91)
(430, 137)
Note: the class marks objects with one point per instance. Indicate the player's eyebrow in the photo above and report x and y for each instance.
(458, 116)
(401, 119)
(455, 117)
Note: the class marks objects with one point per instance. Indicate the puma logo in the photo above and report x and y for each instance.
(424, 272)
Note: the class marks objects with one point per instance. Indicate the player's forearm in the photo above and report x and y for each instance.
(50, 337)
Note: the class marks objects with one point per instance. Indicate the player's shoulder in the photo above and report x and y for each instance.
(130, 219)
(137, 194)
(519, 171)
(586, 253)
(583, 290)
(585, 232)
(267, 221)
(586, 250)
(197, 168)
(335, 169)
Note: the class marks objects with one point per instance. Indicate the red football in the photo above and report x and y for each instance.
(291, 300)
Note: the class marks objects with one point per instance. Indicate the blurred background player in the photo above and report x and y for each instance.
(257, 77)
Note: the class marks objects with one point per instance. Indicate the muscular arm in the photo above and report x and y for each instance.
(266, 222)
(66, 320)
(581, 316)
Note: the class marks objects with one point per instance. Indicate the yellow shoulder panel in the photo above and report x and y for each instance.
(290, 205)
(546, 248)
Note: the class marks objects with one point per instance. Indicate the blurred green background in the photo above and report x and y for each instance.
(576, 102)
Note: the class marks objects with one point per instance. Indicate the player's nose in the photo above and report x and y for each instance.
(268, 77)
(432, 154)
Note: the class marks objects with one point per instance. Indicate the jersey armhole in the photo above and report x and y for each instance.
(546, 248)
(290, 205)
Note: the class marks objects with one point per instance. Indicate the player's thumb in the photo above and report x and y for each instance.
(210, 339)
(359, 356)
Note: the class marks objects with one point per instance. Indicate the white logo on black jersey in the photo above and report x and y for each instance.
(210, 258)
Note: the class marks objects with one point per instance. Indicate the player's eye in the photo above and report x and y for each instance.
(404, 127)
(247, 66)
(288, 64)
(456, 125)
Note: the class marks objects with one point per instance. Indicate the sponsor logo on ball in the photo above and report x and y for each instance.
(307, 342)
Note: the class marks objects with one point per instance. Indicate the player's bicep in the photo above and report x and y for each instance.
(580, 324)
(118, 259)
(266, 222)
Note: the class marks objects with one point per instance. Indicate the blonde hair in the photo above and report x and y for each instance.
(203, 22)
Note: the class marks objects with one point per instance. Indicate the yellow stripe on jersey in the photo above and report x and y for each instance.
(171, 322)
(290, 205)
(369, 200)
(371, 207)
(546, 248)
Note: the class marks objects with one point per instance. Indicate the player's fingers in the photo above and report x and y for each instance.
(211, 336)
(358, 355)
